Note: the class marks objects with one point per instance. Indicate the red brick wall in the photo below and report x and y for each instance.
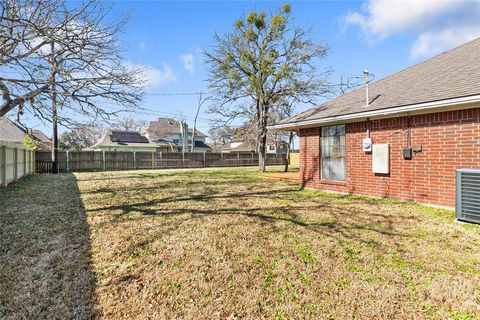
(449, 140)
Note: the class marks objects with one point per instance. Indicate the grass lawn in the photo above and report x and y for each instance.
(226, 244)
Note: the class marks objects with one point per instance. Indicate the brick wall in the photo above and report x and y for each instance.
(449, 140)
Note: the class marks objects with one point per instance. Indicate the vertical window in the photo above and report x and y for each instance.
(332, 143)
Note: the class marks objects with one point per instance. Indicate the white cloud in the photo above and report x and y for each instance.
(158, 77)
(142, 45)
(154, 77)
(435, 23)
(429, 43)
(188, 61)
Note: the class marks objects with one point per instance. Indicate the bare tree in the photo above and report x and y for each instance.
(129, 124)
(346, 84)
(51, 47)
(220, 135)
(200, 102)
(82, 136)
(263, 60)
(53, 51)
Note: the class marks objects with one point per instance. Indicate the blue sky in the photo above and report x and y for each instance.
(167, 37)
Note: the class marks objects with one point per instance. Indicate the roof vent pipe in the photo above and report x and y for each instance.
(367, 100)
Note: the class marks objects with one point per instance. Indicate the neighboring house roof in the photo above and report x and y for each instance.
(452, 74)
(249, 145)
(163, 127)
(10, 131)
(118, 138)
(201, 144)
(43, 142)
(127, 137)
(40, 136)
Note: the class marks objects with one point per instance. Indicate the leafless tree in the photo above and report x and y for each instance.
(220, 135)
(201, 100)
(82, 136)
(129, 124)
(51, 47)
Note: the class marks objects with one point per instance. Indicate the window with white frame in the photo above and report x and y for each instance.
(332, 144)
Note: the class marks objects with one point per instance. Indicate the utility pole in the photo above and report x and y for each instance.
(184, 135)
(54, 146)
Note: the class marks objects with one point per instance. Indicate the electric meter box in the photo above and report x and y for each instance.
(367, 145)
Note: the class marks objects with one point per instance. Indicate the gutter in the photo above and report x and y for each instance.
(418, 108)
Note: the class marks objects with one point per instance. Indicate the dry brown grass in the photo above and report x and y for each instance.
(227, 244)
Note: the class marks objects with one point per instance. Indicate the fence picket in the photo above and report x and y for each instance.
(14, 162)
(110, 160)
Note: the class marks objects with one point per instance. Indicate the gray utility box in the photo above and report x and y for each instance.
(467, 203)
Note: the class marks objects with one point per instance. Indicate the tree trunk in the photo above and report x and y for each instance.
(54, 115)
(54, 135)
(289, 146)
(262, 149)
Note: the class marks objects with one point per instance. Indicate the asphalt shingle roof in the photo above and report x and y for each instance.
(163, 127)
(452, 74)
(127, 136)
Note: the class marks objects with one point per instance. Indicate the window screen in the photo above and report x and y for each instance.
(332, 143)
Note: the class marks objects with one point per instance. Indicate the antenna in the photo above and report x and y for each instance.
(367, 100)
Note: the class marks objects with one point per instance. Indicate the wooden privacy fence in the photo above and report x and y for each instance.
(70, 161)
(15, 162)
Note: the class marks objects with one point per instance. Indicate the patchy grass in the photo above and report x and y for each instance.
(227, 244)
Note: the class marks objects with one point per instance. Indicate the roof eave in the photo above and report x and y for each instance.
(419, 108)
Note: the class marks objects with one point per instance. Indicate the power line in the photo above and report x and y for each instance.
(159, 113)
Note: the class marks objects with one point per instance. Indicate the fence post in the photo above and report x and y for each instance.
(161, 159)
(153, 160)
(24, 161)
(68, 161)
(134, 160)
(15, 164)
(204, 160)
(4, 165)
(33, 161)
(103, 159)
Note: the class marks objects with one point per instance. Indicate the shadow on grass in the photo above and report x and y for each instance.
(210, 194)
(45, 252)
(339, 221)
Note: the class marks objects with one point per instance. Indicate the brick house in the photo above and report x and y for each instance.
(423, 122)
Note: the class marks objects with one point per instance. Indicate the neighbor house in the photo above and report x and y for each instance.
(12, 132)
(166, 129)
(272, 146)
(405, 139)
(118, 140)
